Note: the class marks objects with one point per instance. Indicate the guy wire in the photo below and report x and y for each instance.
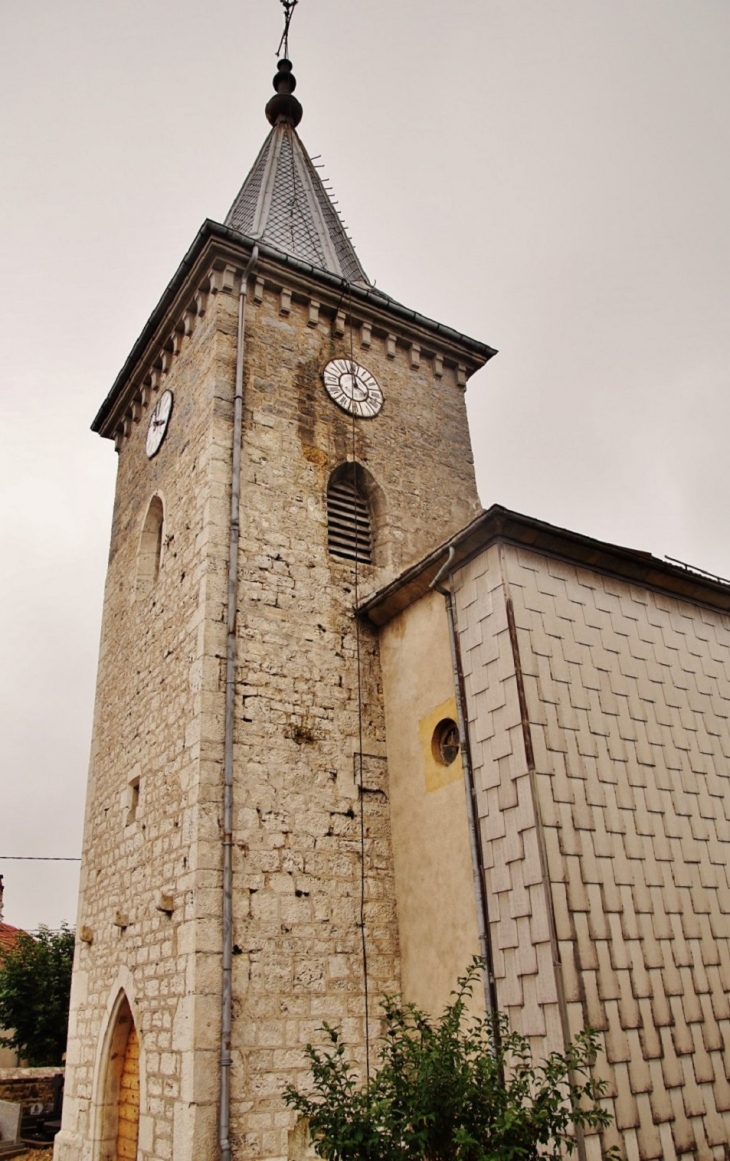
(361, 788)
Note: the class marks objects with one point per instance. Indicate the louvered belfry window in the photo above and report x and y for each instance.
(348, 522)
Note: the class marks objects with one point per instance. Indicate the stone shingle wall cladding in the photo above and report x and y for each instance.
(516, 885)
(160, 713)
(628, 694)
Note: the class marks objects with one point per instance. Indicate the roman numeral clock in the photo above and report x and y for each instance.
(353, 388)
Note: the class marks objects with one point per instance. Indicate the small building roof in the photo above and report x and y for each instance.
(8, 936)
(500, 524)
(8, 933)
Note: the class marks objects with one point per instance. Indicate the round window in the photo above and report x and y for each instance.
(445, 742)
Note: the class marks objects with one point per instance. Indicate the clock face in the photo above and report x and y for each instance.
(353, 388)
(159, 421)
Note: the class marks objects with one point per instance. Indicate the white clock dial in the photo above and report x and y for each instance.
(352, 388)
(159, 421)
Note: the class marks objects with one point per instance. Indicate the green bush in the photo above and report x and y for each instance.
(35, 987)
(458, 1088)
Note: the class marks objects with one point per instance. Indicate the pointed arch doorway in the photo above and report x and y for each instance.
(120, 1105)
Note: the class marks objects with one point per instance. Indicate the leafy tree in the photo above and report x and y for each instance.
(458, 1088)
(35, 986)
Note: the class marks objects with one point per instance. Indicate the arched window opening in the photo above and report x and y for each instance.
(150, 546)
(349, 532)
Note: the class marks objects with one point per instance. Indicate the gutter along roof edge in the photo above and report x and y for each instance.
(481, 352)
(155, 318)
(501, 524)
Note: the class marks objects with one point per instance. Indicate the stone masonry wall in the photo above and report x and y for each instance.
(160, 714)
(297, 886)
(628, 696)
(29, 1086)
(150, 694)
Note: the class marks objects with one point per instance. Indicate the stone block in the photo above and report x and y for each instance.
(11, 1114)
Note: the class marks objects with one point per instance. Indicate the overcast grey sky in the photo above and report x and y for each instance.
(550, 176)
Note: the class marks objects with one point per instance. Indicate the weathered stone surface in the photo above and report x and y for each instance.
(153, 825)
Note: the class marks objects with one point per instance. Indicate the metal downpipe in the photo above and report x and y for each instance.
(475, 843)
(235, 532)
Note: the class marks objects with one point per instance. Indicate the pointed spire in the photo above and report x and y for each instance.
(283, 202)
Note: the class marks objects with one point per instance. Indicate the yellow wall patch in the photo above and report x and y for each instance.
(436, 774)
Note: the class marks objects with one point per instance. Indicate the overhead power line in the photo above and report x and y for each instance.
(44, 858)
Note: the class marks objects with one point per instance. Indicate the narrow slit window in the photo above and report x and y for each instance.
(132, 801)
(349, 534)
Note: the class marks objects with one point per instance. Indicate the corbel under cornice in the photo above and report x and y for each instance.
(214, 264)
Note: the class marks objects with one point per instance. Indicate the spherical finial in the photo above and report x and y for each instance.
(284, 81)
(284, 107)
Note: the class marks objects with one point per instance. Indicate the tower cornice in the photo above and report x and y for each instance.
(215, 263)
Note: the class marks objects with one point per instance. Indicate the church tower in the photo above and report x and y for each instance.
(289, 439)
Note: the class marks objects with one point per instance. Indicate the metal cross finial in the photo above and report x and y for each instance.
(288, 6)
